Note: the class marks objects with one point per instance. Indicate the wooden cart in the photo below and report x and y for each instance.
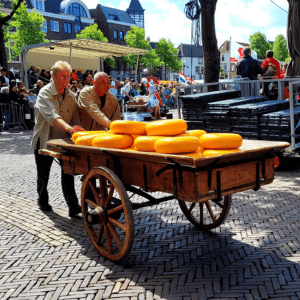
(202, 186)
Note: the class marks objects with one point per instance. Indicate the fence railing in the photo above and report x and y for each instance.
(246, 86)
(14, 115)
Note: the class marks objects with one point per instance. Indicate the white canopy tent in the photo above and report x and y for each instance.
(78, 49)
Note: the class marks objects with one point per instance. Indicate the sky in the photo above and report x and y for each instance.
(237, 19)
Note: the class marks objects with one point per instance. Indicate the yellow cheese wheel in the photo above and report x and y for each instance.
(117, 141)
(81, 133)
(196, 133)
(175, 145)
(128, 127)
(212, 152)
(221, 141)
(200, 150)
(166, 127)
(146, 143)
(86, 140)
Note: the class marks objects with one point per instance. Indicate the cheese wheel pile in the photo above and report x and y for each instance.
(164, 136)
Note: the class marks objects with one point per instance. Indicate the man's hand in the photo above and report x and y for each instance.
(76, 128)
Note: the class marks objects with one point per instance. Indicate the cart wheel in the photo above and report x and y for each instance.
(278, 161)
(206, 215)
(107, 213)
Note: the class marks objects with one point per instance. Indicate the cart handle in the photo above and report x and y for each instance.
(57, 155)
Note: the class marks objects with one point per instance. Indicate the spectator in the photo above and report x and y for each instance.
(248, 67)
(56, 113)
(32, 76)
(135, 90)
(13, 94)
(98, 107)
(79, 74)
(38, 86)
(89, 80)
(143, 87)
(31, 98)
(5, 113)
(74, 75)
(113, 88)
(127, 90)
(74, 87)
(86, 74)
(44, 77)
(4, 81)
(271, 61)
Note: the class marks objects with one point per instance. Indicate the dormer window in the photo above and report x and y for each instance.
(39, 5)
(113, 17)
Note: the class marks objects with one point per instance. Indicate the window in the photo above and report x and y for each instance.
(115, 34)
(232, 67)
(225, 67)
(39, 5)
(197, 69)
(68, 27)
(44, 26)
(121, 35)
(77, 28)
(113, 17)
(200, 61)
(223, 57)
(77, 10)
(54, 26)
(77, 24)
(201, 70)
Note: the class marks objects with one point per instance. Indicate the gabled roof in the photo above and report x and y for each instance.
(185, 50)
(122, 16)
(135, 5)
(52, 6)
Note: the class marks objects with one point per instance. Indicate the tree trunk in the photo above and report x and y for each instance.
(209, 42)
(3, 58)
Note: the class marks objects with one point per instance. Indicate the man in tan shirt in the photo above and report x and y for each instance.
(97, 106)
(56, 116)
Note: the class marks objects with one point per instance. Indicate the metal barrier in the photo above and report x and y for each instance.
(12, 115)
(246, 86)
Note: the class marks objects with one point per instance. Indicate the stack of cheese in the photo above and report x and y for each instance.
(165, 136)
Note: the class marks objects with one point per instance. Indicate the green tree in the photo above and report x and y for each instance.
(92, 32)
(258, 43)
(28, 30)
(136, 38)
(280, 48)
(167, 53)
(4, 22)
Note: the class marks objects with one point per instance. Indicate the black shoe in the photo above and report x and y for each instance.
(74, 212)
(46, 207)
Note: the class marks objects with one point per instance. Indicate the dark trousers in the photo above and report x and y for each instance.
(43, 164)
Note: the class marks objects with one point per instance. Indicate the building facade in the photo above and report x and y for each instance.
(193, 61)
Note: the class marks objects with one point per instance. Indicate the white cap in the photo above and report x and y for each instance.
(151, 81)
(144, 80)
(113, 83)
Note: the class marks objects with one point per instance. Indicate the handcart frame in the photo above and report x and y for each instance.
(202, 186)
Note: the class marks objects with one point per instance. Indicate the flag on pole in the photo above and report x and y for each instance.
(237, 52)
(182, 77)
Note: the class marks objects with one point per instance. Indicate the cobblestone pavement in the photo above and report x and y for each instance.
(255, 254)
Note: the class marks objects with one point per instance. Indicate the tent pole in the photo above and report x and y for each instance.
(24, 70)
(70, 44)
(137, 65)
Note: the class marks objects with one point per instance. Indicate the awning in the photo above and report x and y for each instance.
(81, 48)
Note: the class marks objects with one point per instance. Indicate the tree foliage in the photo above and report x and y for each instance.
(4, 22)
(92, 32)
(136, 38)
(280, 48)
(258, 43)
(27, 30)
(167, 53)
